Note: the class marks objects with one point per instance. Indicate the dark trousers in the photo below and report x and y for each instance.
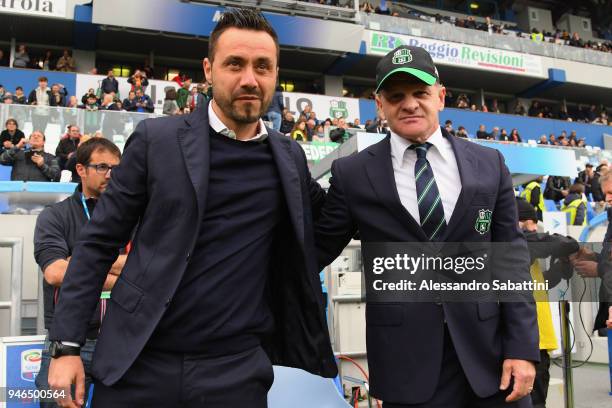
(167, 380)
(454, 390)
(542, 379)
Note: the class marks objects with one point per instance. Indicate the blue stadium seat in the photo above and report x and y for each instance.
(297, 388)
(5, 172)
(550, 205)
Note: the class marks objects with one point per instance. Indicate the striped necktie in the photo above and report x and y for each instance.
(431, 211)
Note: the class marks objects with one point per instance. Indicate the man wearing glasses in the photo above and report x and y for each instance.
(57, 230)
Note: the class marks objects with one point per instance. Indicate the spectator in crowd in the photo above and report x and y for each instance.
(562, 141)
(72, 102)
(543, 140)
(461, 132)
(306, 111)
(532, 193)
(503, 135)
(319, 134)
(47, 62)
(108, 103)
(33, 163)
(575, 205)
(356, 122)
(21, 59)
(448, 125)
(557, 188)
(41, 97)
(55, 236)
(514, 136)
(494, 135)
(203, 95)
(110, 85)
(287, 123)
(299, 132)
(180, 78)
(183, 94)
(138, 80)
(68, 145)
(19, 97)
(276, 108)
(170, 107)
(84, 98)
(129, 103)
(596, 190)
(310, 128)
(2, 91)
(10, 136)
(58, 95)
(481, 133)
(581, 143)
(563, 115)
(379, 126)
(473, 107)
(66, 62)
(367, 7)
(148, 69)
(92, 118)
(535, 109)
(553, 140)
(519, 109)
(586, 177)
(143, 102)
(463, 102)
(4, 62)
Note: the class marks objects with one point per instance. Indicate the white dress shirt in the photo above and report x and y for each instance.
(219, 127)
(443, 164)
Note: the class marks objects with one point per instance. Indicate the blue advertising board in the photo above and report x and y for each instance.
(23, 360)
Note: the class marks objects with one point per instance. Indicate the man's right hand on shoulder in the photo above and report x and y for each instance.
(63, 372)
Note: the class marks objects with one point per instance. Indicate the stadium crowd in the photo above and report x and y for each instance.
(558, 36)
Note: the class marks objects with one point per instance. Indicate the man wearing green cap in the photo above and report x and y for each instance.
(420, 184)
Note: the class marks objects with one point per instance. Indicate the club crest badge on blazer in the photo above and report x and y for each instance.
(483, 222)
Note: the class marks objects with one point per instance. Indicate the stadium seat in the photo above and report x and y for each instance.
(297, 388)
(550, 205)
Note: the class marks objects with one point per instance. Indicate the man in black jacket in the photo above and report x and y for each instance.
(222, 279)
(592, 265)
(110, 84)
(32, 164)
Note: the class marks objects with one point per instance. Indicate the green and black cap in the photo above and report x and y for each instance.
(415, 61)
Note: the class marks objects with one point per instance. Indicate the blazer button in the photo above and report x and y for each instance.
(168, 302)
(187, 257)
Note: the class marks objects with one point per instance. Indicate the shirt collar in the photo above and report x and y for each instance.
(400, 145)
(219, 127)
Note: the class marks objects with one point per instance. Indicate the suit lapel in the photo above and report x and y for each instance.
(468, 171)
(290, 180)
(380, 173)
(194, 140)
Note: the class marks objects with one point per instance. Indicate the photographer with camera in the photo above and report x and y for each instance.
(30, 161)
(542, 246)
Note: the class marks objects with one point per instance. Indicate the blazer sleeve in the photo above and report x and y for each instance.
(109, 230)
(518, 319)
(335, 226)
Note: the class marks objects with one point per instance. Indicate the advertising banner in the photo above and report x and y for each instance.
(465, 55)
(39, 8)
(20, 359)
(324, 106)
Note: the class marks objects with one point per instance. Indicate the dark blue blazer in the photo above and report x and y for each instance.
(405, 340)
(161, 185)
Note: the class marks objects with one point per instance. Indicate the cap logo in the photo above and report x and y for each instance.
(402, 56)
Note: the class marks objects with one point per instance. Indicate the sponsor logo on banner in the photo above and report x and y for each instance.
(316, 151)
(45, 8)
(322, 105)
(30, 364)
(445, 52)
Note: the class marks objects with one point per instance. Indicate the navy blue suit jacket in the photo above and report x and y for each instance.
(161, 185)
(405, 340)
